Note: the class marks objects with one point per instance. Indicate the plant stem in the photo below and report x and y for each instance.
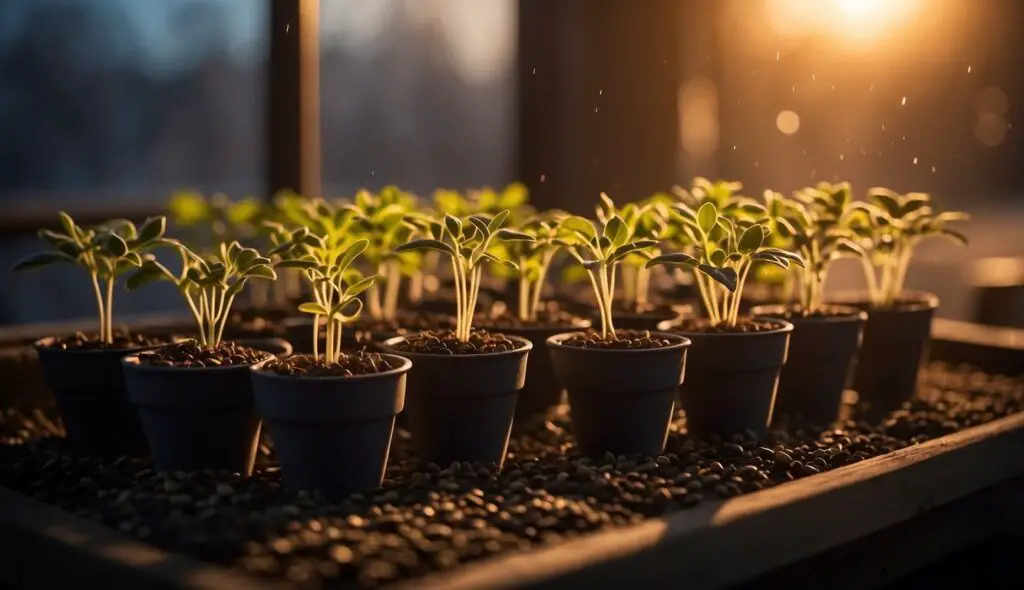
(460, 311)
(643, 287)
(416, 287)
(316, 336)
(630, 280)
(99, 306)
(600, 302)
(224, 319)
(109, 311)
(704, 295)
(474, 289)
(734, 310)
(524, 297)
(392, 286)
(605, 282)
(538, 285)
(373, 302)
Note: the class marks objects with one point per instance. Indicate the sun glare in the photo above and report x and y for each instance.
(854, 19)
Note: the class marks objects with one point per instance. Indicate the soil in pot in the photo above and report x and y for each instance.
(892, 351)
(365, 332)
(622, 391)
(332, 423)
(732, 375)
(541, 391)
(196, 405)
(461, 396)
(87, 382)
(822, 349)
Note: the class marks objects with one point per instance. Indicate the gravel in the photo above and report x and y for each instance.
(437, 517)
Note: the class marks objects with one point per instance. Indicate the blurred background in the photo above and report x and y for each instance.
(107, 106)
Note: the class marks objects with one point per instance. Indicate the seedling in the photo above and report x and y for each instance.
(381, 222)
(813, 222)
(600, 252)
(724, 195)
(214, 219)
(325, 253)
(467, 245)
(106, 252)
(485, 201)
(644, 221)
(208, 283)
(724, 250)
(534, 259)
(891, 226)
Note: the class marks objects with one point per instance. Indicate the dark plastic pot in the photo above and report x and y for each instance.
(461, 407)
(731, 380)
(89, 388)
(299, 332)
(332, 434)
(821, 354)
(648, 320)
(542, 389)
(196, 418)
(622, 401)
(894, 346)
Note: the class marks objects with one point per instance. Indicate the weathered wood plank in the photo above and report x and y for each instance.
(45, 547)
(725, 543)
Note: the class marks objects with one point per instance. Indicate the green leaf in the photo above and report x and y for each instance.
(480, 223)
(68, 224)
(672, 259)
(260, 271)
(244, 257)
(887, 200)
(313, 308)
(707, 217)
(850, 247)
(426, 244)
(581, 226)
(114, 245)
(751, 239)
(152, 228)
(360, 286)
(497, 221)
(514, 196)
(42, 259)
(724, 276)
(351, 252)
(149, 272)
(453, 224)
(954, 235)
(770, 258)
(627, 249)
(616, 231)
(514, 236)
(339, 310)
(297, 263)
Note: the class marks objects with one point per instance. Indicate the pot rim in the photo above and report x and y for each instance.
(556, 342)
(582, 324)
(389, 346)
(405, 365)
(849, 314)
(45, 344)
(784, 328)
(911, 301)
(132, 362)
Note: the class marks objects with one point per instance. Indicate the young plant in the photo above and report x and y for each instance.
(534, 259)
(644, 221)
(599, 252)
(891, 226)
(813, 222)
(724, 250)
(215, 219)
(208, 283)
(381, 223)
(325, 253)
(468, 246)
(105, 252)
(485, 201)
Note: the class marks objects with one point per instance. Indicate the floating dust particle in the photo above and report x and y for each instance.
(915, 161)
(904, 101)
(543, 177)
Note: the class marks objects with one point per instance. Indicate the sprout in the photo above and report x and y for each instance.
(468, 245)
(325, 253)
(724, 250)
(380, 221)
(724, 195)
(485, 201)
(106, 252)
(644, 221)
(599, 252)
(813, 222)
(533, 259)
(208, 283)
(890, 226)
(218, 218)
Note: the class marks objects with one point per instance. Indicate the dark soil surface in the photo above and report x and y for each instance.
(81, 341)
(426, 519)
(304, 365)
(548, 316)
(623, 340)
(797, 312)
(743, 325)
(445, 342)
(191, 354)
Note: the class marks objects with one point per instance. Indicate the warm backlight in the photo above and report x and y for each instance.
(854, 19)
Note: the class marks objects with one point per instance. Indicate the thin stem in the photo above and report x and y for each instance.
(392, 288)
(643, 287)
(704, 295)
(110, 311)
(605, 283)
(329, 349)
(629, 285)
(416, 287)
(734, 311)
(538, 285)
(224, 318)
(474, 289)
(874, 293)
(524, 297)
(459, 310)
(316, 336)
(99, 306)
(373, 302)
(600, 302)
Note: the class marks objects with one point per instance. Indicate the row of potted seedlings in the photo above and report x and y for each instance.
(331, 412)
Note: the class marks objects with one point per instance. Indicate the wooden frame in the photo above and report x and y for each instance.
(774, 529)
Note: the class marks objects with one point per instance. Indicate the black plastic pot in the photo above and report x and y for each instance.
(461, 407)
(622, 401)
(821, 354)
(196, 418)
(647, 320)
(542, 389)
(332, 434)
(731, 380)
(89, 388)
(894, 346)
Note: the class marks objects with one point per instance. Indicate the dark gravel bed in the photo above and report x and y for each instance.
(438, 517)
